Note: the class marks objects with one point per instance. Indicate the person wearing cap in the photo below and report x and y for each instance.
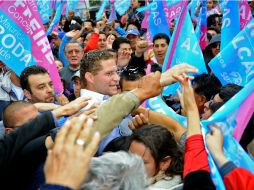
(212, 49)
(76, 86)
(139, 57)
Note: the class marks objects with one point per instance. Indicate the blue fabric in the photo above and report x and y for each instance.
(121, 130)
(2, 131)
(56, 18)
(157, 21)
(121, 6)
(61, 53)
(234, 64)
(120, 31)
(230, 22)
(44, 9)
(224, 118)
(187, 51)
(54, 187)
(101, 10)
(226, 168)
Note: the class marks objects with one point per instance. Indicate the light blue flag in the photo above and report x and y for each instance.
(230, 22)
(235, 64)
(56, 18)
(192, 7)
(157, 21)
(187, 50)
(121, 6)
(158, 105)
(45, 10)
(101, 10)
(225, 119)
(71, 5)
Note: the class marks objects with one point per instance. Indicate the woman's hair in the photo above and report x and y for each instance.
(161, 144)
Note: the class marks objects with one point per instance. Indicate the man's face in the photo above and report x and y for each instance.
(160, 48)
(135, 4)
(74, 54)
(102, 42)
(215, 99)
(133, 39)
(22, 116)
(88, 26)
(41, 89)
(106, 80)
(77, 86)
(123, 55)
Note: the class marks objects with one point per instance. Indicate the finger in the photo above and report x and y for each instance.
(135, 123)
(77, 125)
(146, 115)
(90, 111)
(178, 78)
(91, 148)
(85, 134)
(144, 119)
(61, 135)
(131, 126)
(139, 120)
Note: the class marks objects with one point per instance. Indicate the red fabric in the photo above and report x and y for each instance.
(195, 157)
(92, 43)
(239, 178)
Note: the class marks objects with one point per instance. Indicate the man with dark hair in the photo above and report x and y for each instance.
(160, 46)
(37, 85)
(130, 77)
(18, 113)
(205, 86)
(74, 53)
(123, 48)
(225, 93)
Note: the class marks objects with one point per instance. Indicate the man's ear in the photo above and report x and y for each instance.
(89, 77)
(165, 163)
(8, 130)
(27, 94)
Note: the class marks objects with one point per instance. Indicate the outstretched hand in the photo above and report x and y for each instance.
(68, 161)
(183, 68)
(214, 141)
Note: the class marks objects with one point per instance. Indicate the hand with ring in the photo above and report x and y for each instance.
(67, 163)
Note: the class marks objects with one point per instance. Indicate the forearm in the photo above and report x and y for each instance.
(112, 112)
(193, 122)
(171, 124)
(61, 53)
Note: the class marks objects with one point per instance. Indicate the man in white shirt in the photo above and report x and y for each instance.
(98, 74)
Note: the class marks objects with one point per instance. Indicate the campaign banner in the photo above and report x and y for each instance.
(230, 22)
(122, 6)
(203, 26)
(234, 64)
(101, 10)
(157, 21)
(23, 41)
(55, 22)
(245, 13)
(172, 9)
(158, 105)
(186, 50)
(45, 10)
(226, 118)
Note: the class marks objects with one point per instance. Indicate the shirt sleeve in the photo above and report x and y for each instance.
(236, 178)
(195, 157)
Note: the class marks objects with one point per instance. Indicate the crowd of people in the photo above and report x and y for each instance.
(97, 134)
